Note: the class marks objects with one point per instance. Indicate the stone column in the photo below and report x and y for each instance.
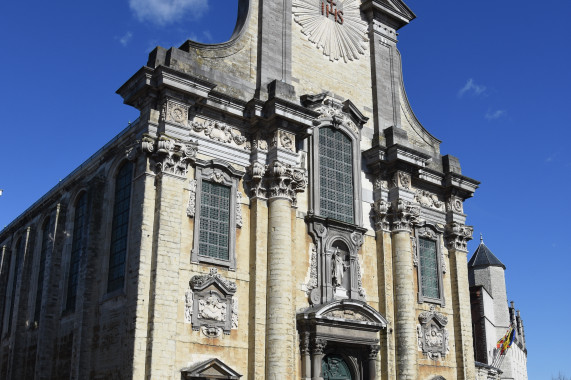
(372, 359)
(280, 321)
(305, 356)
(317, 358)
(458, 236)
(405, 299)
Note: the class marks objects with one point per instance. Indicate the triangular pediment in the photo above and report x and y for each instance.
(211, 369)
(396, 9)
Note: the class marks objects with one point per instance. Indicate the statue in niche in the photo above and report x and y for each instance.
(338, 267)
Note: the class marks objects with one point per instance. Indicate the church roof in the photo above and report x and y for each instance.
(483, 257)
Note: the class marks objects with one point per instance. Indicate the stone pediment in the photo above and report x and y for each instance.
(201, 282)
(210, 369)
(396, 9)
(349, 311)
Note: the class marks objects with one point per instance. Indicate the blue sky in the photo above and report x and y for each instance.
(489, 78)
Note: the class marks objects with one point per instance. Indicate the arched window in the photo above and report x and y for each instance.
(336, 192)
(78, 245)
(20, 246)
(119, 233)
(43, 253)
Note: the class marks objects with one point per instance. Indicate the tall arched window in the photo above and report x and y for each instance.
(119, 234)
(336, 195)
(78, 245)
(20, 246)
(42, 266)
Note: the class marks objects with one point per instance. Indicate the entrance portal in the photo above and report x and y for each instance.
(334, 367)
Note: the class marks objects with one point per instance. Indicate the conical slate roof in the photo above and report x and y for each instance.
(483, 257)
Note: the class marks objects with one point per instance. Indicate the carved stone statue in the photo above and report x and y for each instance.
(338, 267)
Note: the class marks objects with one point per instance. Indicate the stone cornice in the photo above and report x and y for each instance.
(395, 12)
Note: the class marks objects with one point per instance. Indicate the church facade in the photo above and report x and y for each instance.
(276, 212)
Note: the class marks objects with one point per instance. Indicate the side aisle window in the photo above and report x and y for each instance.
(214, 205)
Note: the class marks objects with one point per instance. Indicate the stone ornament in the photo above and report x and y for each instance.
(214, 305)
(455, 205)
(432, 334)
(239, 221)
(374, 351)
(221, 132)
(171, 156)
(427, 199)
(277, 180)
(191, 208)
(335, 27)
(319, 346)
(405, 215)
(458, 236)
(331, 110)
(346, 314)
(188, 302)
(380, 211)
(312, 283)
(174, 112)
(404, 180)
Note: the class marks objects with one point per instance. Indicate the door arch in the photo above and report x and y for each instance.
(334, 367)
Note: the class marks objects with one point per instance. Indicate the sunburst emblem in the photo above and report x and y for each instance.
(334, 26)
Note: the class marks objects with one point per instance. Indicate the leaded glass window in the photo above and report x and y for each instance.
(19, 254)
(336, 195)
(214, 221)
(42, 267)
(429, 277)
(78, 245)
(119, 233)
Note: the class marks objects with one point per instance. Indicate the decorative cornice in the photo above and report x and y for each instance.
(458, 236)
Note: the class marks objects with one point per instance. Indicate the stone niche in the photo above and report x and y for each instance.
(211, 304)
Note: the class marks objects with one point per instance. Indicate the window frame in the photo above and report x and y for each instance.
(314, 179)
(429, 232)
(111, 216)
(221, 173)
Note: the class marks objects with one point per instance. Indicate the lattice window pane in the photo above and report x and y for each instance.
(429, 269)
(214, 221)
(119, 236)
(78, 245)
(336, 175)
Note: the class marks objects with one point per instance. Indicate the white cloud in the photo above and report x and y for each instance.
(472, 87)
(125, 39)
(493, 115)
(162, 12)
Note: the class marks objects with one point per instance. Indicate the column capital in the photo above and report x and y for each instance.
(276, 180)
(458, 235)
(319, 345)
(373, 351)
(171, 156)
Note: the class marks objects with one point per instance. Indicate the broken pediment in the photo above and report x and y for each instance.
(350, 311)
(209, 369)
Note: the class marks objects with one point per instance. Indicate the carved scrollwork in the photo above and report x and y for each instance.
(188, 303)
(312, 283)
(170, 155)
(346, 314)
(221, 132)
(213, 275)
(458, 236)
(455, 205)
(428, 199)
(191, 208)
(319, 346)
(239, 221)
(414, 251)
(174, 112)
(277, 180)
(333, 111)
(373, 351)
(211, 331)
(404, 180)
(381, 211)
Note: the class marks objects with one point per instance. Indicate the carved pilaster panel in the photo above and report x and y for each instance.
(174, 112)
(214, 306)
(432, 334)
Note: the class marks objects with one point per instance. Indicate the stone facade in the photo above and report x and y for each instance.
(238, 258)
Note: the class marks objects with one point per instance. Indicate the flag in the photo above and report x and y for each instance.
(506, 341)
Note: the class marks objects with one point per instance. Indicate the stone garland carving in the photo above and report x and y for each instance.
(191, 208)
(330, 110)
(312, 283)
(458, 236)
(346, 314)
(405, 215)
(188, 303)
(277, 180)
(213, 304)
(221, 132)
(170, 155)
(362, 293)
(415, 258)
(427, 199)
(335, 27)
(432, 334)
(239, 221)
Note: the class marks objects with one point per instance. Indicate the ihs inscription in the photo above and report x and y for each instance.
(329, 8)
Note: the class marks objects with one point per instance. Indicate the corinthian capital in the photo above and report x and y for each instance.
(381, 213)
(277, 180)
(458, 236)
(405, 215)
(171, 156)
